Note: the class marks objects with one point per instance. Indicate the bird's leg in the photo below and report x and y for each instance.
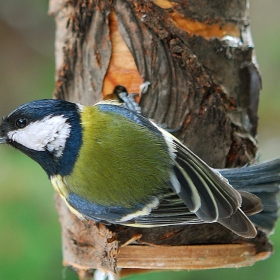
(129, 102)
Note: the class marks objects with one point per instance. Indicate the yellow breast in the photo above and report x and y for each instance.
(60, 186)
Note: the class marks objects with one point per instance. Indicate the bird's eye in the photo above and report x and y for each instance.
(21, 123)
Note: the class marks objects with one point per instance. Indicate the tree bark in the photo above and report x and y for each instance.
(199, 58)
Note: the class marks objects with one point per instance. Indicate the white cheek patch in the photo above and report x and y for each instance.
(50, 134)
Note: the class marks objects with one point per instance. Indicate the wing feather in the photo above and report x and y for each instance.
(219, 199)
(189, 194)
(171, 211)
(208, 210)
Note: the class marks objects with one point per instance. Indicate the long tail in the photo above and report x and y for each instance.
(263, 180)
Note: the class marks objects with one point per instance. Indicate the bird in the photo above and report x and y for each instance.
(112, 165)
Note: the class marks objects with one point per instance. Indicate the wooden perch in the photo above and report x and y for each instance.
(87, 245)
(198, 56)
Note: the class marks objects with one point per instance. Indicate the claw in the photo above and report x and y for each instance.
(129, 101)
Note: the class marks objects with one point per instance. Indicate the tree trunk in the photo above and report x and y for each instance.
(198, 57)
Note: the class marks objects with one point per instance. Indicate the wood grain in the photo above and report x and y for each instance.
(193, 257)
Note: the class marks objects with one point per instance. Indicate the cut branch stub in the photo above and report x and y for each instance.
(200, 63)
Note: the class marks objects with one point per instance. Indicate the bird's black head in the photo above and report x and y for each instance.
(48, 131)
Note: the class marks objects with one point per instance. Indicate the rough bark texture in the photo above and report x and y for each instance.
(198, 56)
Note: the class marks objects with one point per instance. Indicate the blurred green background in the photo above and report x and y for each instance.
(30, 245)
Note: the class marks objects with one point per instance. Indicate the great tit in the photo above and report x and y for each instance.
(114, 166)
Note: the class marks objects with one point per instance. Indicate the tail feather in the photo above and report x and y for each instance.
(265, 221)
(263, 180)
